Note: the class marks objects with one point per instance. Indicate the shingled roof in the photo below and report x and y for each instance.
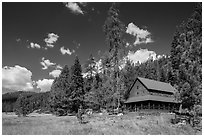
(157, 85)
(153, 85)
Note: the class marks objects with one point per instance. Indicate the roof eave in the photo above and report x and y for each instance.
(151, 100)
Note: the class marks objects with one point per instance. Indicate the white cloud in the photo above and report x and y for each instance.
(74, 7)
(46, 63)
(34, 45)
(44, 84)
(51, 39)
(16, 78)
(66, 51)
(55, 73)
(59, 67)
(142, 36)
(141, 55)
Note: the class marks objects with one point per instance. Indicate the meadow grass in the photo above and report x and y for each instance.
(129, 124)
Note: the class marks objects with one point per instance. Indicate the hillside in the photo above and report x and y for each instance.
(9, 100)
(15, 95)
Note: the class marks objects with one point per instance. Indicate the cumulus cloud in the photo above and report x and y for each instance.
(59, 67)
(51, 39)
(55, 73)
(66, 51)
(17, 78)
(142, 36)
(44, 84)
(141, 55)
(74, 7)
(46, 63)
(34, 45)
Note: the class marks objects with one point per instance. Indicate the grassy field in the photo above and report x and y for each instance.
(129, 124)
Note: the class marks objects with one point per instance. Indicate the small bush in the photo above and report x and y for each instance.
(61, 112)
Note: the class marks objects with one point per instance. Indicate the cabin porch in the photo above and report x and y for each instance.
(152, 105)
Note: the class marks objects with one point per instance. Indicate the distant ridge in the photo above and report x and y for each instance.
(16, 94)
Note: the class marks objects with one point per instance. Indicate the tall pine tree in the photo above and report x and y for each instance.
(60, 91)
(114, 30)
(90, 71)
(186, 59)
(77, 86)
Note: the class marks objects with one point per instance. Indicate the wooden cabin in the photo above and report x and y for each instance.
(151, 94)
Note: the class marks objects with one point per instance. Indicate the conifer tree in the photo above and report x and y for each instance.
(114, 29)
(162, 75)
(90, 71)
(77, 86)
(94, 97)
(186, 58)
(129, 76)
(22, 105)
(90, 67)
(60, 91)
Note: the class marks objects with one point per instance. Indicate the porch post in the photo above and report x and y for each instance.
(168, 106)
(173, 106)
(135, 106)
(148, 105)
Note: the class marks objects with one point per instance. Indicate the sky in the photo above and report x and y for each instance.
(38, 39)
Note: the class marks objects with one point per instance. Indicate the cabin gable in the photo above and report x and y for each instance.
(138, 90)
(149, 94)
